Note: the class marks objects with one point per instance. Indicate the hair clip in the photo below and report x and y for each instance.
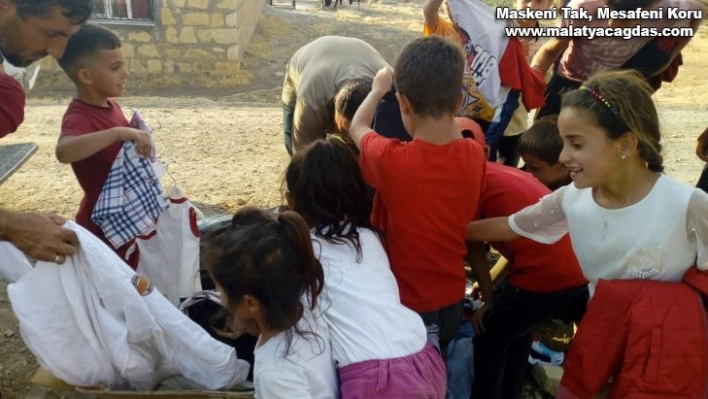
(340, 138)
(600, 98)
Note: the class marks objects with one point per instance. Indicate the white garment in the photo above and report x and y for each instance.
(362, 304)
(13, 263)
(169, 254)
(302, 371)
(486, 44)
(657, 238)
(86, 323)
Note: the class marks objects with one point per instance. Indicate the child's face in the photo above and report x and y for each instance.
(552, 176)
(108, 73)
(590, 156)
(243, 313)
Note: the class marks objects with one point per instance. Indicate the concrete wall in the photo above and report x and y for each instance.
(191, 43)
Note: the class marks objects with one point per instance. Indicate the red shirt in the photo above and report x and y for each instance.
(426, 194)
(533, 266)
(82, 118)
(12, 104)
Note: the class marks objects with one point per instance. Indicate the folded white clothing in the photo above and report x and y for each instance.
(13, 263)
(86, 322)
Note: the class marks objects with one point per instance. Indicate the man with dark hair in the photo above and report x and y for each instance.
(314, 76)
(30, 30)
(33, 29)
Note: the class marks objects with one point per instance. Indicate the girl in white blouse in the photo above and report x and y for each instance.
(380, 346)
(626, 219)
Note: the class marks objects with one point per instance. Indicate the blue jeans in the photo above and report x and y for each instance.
(460, 363)
(502, 117)
(288, 115)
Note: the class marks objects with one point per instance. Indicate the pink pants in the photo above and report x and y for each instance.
(418, 376)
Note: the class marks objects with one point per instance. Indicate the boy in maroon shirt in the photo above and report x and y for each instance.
(94, 128)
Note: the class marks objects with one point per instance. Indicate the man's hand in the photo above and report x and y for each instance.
(142, 139)
(702, 146)
(39, 235)
(382, 81)
(478, 319)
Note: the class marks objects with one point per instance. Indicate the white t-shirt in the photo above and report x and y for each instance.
(302, 371)
(362, 303)
(657, 238)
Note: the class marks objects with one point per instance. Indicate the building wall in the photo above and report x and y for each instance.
(190, 43)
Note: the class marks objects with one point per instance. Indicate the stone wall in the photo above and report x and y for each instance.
(190, 43)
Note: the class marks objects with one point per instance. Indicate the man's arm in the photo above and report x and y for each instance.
(77, 148)
(12, 106)
(695, 24)
(549, 53)
(364, 116)
(431, 12)
(308, 125)
(39, 235)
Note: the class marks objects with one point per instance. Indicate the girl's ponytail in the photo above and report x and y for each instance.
(295, 231)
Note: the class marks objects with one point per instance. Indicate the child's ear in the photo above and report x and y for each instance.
(83, 76)
(252, 305)
(627, 144)
(404, 104)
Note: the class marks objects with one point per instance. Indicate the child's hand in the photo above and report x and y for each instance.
(142, 139)
(383, 81)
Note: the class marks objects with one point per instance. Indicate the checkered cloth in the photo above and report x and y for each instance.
(131, 200)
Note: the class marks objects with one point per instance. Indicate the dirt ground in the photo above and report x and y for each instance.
(225, 146)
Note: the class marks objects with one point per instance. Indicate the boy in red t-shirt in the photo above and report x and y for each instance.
(94, 128)
(543, 281)
(427, 190)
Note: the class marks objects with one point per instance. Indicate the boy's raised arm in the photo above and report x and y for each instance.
(431, 13)
(364, 116)
(77, 148)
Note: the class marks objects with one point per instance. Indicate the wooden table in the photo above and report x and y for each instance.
(13, 156)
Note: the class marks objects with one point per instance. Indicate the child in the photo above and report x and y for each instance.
(94, 128)
(374, 337)
(625, 218)
(267, 275)
(540, 148)
(519, 120)
(426, 189)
